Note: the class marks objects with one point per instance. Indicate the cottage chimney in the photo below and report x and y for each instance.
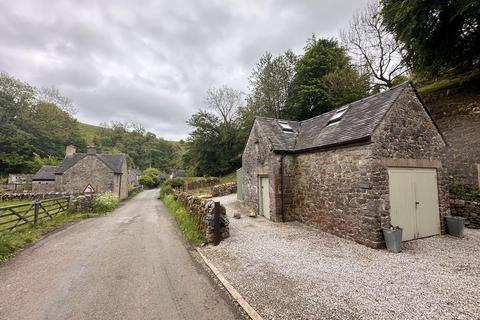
(91, 150)
(70, 150)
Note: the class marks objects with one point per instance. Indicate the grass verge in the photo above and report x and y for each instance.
(12, 242)
(184, 220)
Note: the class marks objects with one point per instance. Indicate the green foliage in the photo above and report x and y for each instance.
(105, 202)
(165, 190)
(184, 220)
(149, 178)
(214, 146)
(324, 80)
(39, 162)
(438, 36)
(170, 184)
(465, 192)
(270, 83)
(30, 126)
(144, 149)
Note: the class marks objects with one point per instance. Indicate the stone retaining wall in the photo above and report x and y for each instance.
(32, 196)
(224, 189)
(467, 209)
(202, 212)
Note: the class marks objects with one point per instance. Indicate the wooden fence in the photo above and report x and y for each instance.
(12, 217)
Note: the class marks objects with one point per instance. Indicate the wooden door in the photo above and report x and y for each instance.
(264, 197)
(414, 201)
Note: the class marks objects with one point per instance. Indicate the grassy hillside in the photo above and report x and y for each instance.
(88, 131)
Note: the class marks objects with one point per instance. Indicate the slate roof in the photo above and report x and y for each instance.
(45, 173)
(357, 124)
(113, 161)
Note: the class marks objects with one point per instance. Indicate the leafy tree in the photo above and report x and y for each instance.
(31, 126)
(373, 46)
(270, 84)
(144, 149)
(214, 147)
(310, 93)
(438, 36)
(149, 178)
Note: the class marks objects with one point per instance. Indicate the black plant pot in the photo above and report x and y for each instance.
(393, 239)
(455, 225)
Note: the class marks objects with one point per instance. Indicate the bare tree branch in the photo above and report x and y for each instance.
(373, 47)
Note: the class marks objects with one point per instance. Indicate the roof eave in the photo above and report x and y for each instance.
(327, 146)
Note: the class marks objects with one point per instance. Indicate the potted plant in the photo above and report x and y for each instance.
(393, 238)
(455, 225)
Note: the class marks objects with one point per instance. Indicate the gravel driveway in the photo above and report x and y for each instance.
(291, 271)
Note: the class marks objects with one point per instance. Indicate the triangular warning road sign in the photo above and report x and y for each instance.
(89, 189)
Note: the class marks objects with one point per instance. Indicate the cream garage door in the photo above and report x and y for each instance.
(264, 197)
(414, 201)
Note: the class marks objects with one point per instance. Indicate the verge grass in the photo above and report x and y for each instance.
(184, 220)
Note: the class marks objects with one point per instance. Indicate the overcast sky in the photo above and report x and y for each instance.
(151, 61)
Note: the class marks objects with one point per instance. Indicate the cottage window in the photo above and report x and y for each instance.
(285, 126)
(337, 116)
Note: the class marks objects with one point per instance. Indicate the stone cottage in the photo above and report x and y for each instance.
(80, 171)
(351, 171)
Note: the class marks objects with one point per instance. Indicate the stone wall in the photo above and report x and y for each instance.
(258, 160)
(329, 189)
(32, 196)
(408, 138)
(470, 210)
(202, 212)
(224, 189)
(43, 186)
(457, 114)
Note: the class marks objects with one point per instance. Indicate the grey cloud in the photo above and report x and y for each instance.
(152, 61)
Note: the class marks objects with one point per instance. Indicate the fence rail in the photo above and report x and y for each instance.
(15, 216)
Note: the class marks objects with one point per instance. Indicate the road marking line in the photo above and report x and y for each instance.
(233, 292)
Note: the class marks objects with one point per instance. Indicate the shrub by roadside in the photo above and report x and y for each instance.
(105, 203)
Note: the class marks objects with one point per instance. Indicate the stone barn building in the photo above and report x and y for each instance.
(103, 172)
(44, 180)
(351, 171)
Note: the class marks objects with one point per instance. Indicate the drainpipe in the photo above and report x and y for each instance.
(282, 187)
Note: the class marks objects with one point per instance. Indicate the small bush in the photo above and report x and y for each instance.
(105, 202)
(165, 190)
(466, 193)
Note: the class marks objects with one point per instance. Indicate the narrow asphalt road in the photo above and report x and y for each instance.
(131, 264)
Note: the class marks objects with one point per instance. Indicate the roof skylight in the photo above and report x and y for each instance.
(337, 115)
(285, 126)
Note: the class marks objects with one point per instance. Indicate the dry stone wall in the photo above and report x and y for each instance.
(457, 114)
(224, 189)
(202, 212)
(470, 210)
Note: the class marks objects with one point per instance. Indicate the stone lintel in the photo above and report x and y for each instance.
(411, 163)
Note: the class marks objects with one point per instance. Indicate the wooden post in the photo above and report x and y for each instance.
(36, 206)
(216, 224)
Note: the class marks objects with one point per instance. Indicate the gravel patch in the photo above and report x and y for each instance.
(292, 271)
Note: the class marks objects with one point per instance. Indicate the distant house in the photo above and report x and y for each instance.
(19, 182)
(81, 172)
(133, 175)
(371, 163)
(44, 180)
